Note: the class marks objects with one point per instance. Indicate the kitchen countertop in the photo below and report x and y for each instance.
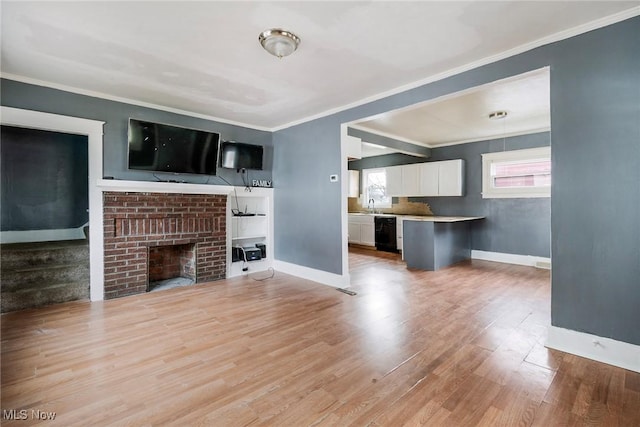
(440, 218)
(427, 218)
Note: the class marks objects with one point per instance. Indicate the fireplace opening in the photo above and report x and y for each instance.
(171, 266)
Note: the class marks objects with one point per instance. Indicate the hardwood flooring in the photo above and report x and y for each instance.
(461, 346)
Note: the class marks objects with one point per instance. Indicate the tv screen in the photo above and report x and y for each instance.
(165, 148)
(237, 155)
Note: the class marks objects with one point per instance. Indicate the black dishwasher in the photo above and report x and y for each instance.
(386, 233)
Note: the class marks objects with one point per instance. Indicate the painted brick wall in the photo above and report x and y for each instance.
(134, 222)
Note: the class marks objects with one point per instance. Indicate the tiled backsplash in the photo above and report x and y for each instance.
(399, 206)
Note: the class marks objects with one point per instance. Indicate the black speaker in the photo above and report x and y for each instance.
(237, 254)
(263, 249)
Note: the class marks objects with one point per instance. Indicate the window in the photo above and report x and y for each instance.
(374, 183)
(517, 173)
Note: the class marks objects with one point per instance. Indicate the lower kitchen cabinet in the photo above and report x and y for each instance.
(362, 230)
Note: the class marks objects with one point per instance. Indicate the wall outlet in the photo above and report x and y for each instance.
(333, 178)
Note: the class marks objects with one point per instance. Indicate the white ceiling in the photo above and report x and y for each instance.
(464, 117)
(204, 57)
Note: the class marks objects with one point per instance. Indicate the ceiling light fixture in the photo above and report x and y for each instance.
(279, 42)
(496, 115)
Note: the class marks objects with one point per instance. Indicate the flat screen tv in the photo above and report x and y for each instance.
(165, 148)
(238, 155)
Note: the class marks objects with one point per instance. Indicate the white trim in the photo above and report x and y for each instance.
(562, 35)
(606, 350)
(344, 193)
(114, 98)
(528, 260)
(42, 235)
(319, 276)
(93, 130)
(164, 187)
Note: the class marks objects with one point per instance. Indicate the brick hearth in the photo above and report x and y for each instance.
(135, 222)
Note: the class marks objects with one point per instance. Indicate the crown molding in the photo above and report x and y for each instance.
(562, 35)
(114, 98)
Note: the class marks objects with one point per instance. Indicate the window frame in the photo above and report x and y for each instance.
(528, 154)
(365, 188)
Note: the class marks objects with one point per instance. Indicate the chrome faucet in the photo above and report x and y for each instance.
(372, 205)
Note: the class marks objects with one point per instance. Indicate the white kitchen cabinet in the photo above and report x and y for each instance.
(354, 183)
(399, 233)
(361, 229)
(403, 180)
(394, 180)
(410, 180)
(354, 232)
(445, 178)
(429, 179)
(451, 178)
(368, 234)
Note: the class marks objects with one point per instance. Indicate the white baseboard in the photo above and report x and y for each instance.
(322, 277)
(532, 261)
(41, 235)
(606, 350)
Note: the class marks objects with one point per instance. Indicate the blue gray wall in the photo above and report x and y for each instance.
(117, 114)
(307, 205)
(595, 196)
(513, 226)
(595, 202)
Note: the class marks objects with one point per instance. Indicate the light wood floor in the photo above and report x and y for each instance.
(459, 347)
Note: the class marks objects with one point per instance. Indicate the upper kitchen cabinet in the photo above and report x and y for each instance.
(403, 180)
(430, 179)
(451, 178)
(354, 183)
(445, 178)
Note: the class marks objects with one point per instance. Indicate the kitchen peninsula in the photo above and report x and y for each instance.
(434, 242)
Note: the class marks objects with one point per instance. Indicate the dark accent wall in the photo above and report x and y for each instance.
(595, 200)
(45, 183)
(116, 117)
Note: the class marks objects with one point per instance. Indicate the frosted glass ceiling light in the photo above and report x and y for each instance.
(279, 42)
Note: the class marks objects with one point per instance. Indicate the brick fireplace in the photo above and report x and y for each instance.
(140, 228)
